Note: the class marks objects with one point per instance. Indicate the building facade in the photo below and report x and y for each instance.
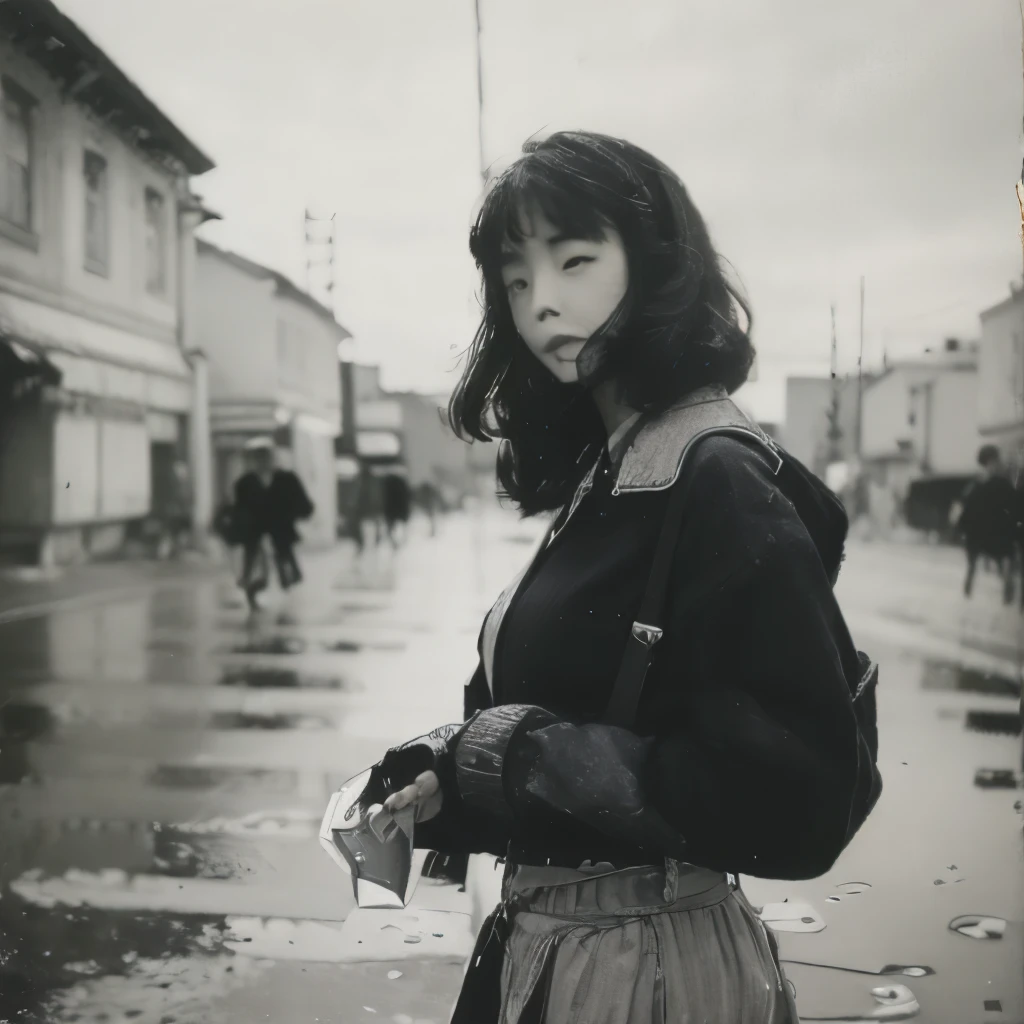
(921, 437)
(921, 417)
(96, 244)
(272, 356)
(806, 430)
(1001, 377)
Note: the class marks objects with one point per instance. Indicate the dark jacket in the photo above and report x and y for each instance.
(745, 754)
(396, 498)
(270, 510)
(989, 518)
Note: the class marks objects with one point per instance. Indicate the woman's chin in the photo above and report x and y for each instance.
(565, 371)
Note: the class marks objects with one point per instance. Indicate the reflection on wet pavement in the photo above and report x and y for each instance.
(853, 888)
(198, 777)
(997, 778)
(271, 645)
(21, 724)
(279, 678)
(228, 720)
(888, 969)
(167, 762)
(976, 927)
(942, 675)
(1006, 723)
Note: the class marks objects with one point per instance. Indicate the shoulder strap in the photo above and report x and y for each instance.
(646, 631)
(648, 628)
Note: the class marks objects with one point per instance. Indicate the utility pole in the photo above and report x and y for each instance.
(835, 431)
(479, 94)
(320, 252)
(860, 374)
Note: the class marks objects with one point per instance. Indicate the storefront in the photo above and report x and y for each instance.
(93, 412)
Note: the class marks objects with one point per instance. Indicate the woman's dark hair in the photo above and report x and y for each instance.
(676, 329)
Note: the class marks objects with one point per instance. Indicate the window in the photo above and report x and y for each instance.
(156, 243)
(97, 231)
(16, 156)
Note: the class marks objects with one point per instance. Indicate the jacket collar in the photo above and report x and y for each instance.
(653, 459)
(650, 457)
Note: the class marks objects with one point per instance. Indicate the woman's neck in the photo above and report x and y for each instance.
(613, 413)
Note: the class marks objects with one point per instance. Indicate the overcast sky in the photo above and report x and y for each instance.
(822, 141)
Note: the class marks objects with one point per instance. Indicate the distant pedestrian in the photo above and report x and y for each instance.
(369, 510)
(397, 502)
(428, 497)
(179, 512)
(268, 503)
(986, 518)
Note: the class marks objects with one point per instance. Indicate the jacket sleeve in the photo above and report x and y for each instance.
(745, 757)
(460, 828)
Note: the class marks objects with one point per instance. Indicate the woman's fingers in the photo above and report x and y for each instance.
(425, 786)
(402, 798)
(428, 783)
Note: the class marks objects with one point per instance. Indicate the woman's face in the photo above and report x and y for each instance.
(561, 290)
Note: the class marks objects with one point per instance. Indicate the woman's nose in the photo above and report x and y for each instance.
(544, 299)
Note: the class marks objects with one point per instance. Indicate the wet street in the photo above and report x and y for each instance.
(165, 759)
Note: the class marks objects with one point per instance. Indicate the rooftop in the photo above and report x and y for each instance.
(283, 285)
(88, 76)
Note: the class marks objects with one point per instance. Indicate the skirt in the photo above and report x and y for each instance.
(651, 945)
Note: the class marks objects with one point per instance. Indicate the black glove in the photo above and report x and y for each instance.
(401, 765)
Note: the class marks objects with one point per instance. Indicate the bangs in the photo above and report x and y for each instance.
(534, 184)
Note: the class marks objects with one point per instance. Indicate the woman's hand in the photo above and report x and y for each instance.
(425, 794)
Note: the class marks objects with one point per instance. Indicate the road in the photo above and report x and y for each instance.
(165, 760)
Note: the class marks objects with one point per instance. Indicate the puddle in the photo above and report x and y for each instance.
(271, 645)
(351, 647)
(944, 675)
(355, 609)
(232, 720)
(997, 778)
(792, 917)
(279, 678)
(21, 724)
(79, 963)
(1005, 723)
(201, 777)
(892, 1002)
(977, 926)
(909, 971)
(220, 856)
(853, 888)
(283, 939)
(284, 824)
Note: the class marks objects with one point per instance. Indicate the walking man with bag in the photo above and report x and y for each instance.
(268, 502)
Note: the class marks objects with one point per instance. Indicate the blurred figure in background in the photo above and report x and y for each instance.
(986, 518)
(369, 510)
(268, 503)
(397, 501)
(428, 497)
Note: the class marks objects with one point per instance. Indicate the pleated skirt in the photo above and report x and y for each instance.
(651, 945)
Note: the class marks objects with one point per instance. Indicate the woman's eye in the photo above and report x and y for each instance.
(575, 261)
(517, 285)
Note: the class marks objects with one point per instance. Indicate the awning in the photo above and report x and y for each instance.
(24, 368)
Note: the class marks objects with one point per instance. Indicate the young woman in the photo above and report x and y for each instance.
(608, 327)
